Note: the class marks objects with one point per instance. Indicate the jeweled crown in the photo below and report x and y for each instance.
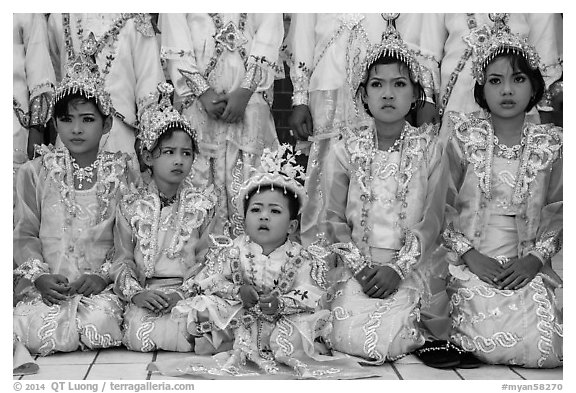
(487, 43)
(278, 169)
(392, 45)
(158, 118)
(83, 77)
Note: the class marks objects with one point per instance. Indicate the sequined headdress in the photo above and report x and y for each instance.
(83, 77)
(158, 118)
(488, 43)
(278, 169)
(391, 45)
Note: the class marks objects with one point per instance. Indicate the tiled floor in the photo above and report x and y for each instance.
(121, 364)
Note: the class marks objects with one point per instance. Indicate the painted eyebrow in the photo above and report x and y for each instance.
(392, 79)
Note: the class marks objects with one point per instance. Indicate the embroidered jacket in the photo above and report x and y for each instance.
(155, 242)
(60, 230)
(293, 273)
(380, 206)
(537, 196)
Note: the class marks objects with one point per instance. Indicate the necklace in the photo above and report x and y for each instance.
(85, 174)
(397, 142)
(508, 152)
(166, 201)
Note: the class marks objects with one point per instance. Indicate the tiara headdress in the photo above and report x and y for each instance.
(83, 77)
(392, 45)
(158, 118)
(279, 170)
(488, 43)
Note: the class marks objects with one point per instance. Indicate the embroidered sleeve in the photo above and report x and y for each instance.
(456, 241)
(550, 228)
(40, 109)
(265, 49)
(195, 82)
(32, 269)
(104, 270)
(547, 246)
(148, 70)
(126, 285)
(253, 77)
(350, 255)
(407, 257)
(143, 24)
(432, 39)
(30, 183)
(221, 274)
(123, 271)
(317, 255)
(299, 50)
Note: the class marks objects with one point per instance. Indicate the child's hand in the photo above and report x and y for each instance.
(248, 295)
(518, 272)
(269, 305)
(236, 104)
(54, 288)
(486, 268)
(379, 282)
(301, 122)
(88, 284)
(213, 103)
(151, 300)
(173, 298)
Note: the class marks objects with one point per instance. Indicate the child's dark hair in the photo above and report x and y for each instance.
(387, 59)
(61, 108)
(518, 63)
(293, 205)
(156, 151)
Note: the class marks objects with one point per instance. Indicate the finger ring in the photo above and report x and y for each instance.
(269, 304)
(375, 286)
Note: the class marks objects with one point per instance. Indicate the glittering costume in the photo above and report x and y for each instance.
(447, 43)
(160, 243)
(33, 82)
(505, 202)
(128, 56)
(385, 208)
(61, 230)
(157, 247)
(320, 50)
(225, 52)
(505, 205)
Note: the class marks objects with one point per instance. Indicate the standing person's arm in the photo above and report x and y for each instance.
(299, 48)
(262, 64)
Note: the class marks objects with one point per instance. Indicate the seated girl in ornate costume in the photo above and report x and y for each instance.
(158, 233)
(262, 288)
(64, 218)
(384, 211)
(504, 220)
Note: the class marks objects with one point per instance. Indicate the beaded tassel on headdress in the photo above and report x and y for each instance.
(487, 43)
(160, 117)
(277, 169)
(83, 77)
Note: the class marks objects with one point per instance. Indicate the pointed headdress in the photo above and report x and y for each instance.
(279, 170)
(160, 117)
(487, 43)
